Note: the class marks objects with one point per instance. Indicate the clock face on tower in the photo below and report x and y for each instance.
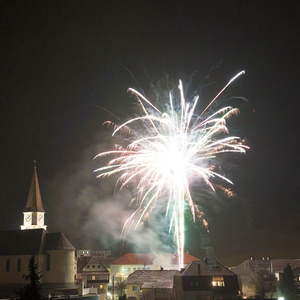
(28, 218)
(40, 219)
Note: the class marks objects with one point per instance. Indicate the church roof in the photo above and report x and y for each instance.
(34, 199)
(32, 242)
(21, 242)
(57, 241)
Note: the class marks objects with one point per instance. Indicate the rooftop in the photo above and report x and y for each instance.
(152, 278)
(31, 242)
(149, 259)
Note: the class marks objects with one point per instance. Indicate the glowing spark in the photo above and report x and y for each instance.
(169, 151)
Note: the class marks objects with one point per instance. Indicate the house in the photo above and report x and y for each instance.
(151, 284)
(255, 276)
(53, 253)
(92, 274)
(278, 265)
(206, 280)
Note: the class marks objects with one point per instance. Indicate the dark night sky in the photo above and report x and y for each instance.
(63, 60)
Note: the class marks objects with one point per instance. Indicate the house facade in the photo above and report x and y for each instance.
(151, 284)
(202, 280)
(92, 274)
(259, 276)
(255, 275)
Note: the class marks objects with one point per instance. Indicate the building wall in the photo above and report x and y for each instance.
(133, 290)
(62, 267)
(248, 271)
(13, 274)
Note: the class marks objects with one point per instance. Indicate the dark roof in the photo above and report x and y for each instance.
(152, 278)
(21, 242)
(57, 241)
(32, 242)
(34, 199)
(83, 261)
(202, 268)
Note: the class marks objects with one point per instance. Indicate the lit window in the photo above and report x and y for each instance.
(93, 277)
(299, 278)
(101, 286)
(218, 281)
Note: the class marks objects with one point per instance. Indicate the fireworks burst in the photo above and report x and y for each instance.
(170, 150)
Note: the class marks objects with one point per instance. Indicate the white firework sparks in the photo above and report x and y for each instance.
(172, 149)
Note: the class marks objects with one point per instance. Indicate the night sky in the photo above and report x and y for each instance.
(65, 64)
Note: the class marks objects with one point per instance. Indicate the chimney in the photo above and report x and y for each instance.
(211, 256)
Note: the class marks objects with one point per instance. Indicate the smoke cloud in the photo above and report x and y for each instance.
(91, 211)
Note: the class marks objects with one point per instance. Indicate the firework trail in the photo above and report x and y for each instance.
(166, 152)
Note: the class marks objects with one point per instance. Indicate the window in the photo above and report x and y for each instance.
(218, 281)
(19, 265)
(48, 262)
(7, 265)
(93, 266)
(299, 278)
(93, 277)
(135, 288)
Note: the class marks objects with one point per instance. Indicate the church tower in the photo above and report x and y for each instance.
(34, 210)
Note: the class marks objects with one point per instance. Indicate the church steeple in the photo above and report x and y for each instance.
(34, 209)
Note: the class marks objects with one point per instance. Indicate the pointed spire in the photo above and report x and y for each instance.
(34, 200)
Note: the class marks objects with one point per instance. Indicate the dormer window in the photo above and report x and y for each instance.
(218, 281)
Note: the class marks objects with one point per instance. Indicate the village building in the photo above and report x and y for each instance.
(199, 280)
(92, 275)
(262, 275)
(255, 275)
(53, 253)
(151, 284)
(206, 280)
(278, 265)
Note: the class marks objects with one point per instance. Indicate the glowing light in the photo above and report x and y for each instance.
(167, 151)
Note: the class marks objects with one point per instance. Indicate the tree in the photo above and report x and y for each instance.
(121, 286)
(287, 284)
(31, 291)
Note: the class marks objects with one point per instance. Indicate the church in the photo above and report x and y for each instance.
(53, 253)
